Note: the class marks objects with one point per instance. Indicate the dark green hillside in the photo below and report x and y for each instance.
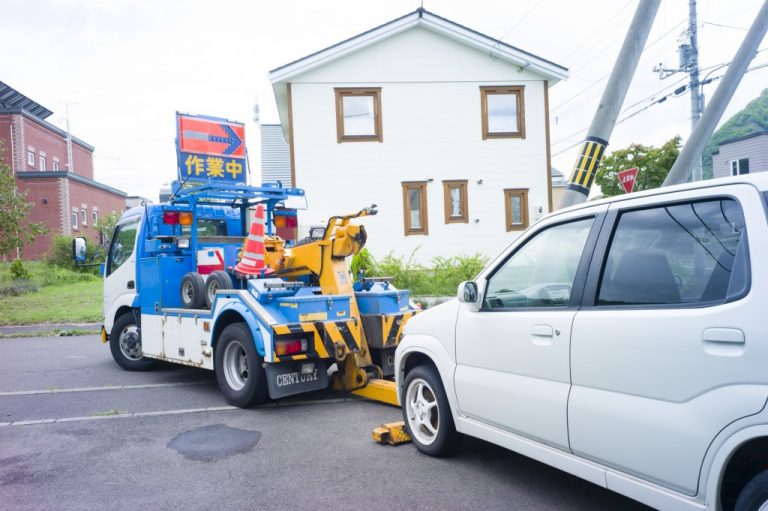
(753, 118)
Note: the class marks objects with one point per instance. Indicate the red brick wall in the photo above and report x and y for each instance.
(46, 196)
(106, 202)
(38, 191)
(54, 146)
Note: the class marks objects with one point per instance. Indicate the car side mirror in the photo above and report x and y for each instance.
(79, 250)
(468, 292)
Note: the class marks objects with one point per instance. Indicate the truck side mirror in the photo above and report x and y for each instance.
(79, 250)
(467, 292)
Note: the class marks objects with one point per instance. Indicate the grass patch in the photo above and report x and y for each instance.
(48, 294)
(78, 302)
(107, 413)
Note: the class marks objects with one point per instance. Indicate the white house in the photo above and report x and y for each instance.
(444, 128)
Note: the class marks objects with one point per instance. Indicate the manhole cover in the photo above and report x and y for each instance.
(215, 442)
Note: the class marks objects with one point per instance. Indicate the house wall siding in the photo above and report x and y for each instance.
(755, 148)
(431, 114)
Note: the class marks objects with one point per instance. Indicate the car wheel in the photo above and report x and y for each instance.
(754, 496)
(239, 372)
(427, 413)
(216, 280)
(125, 344)
(193, 291)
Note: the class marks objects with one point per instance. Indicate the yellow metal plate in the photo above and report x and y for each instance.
(103, 334)
(393, 433)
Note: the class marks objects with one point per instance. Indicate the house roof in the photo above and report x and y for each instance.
(14, 102)
(280, 76)
(743, 137)
(11, 99)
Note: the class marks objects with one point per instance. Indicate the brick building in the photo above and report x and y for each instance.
(68, 201)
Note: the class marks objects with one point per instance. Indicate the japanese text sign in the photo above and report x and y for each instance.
(627, 179)
(210, 149)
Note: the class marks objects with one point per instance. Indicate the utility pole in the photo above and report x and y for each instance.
(600, 130)
(694, 146)
(689, 63)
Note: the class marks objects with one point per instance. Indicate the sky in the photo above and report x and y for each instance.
(126, 66)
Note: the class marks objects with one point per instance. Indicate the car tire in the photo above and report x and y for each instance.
(239, 372)
(125, 344)
(754, 496)
(192, 291)
(427, 414)
(216, 280)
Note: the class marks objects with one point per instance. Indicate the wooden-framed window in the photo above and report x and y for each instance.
(455, 201)
(358, 114)
(503, 112)
(415, 208)
(516, 208)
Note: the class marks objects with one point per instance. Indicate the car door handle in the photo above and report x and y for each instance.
(542, 331)
(131, 284)
(725, 335)
(724, 342)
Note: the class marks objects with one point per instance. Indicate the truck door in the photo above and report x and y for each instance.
(668, 347)
(120, 271)
(513, 354)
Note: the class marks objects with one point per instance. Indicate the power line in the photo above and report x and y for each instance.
(521, 19)
(593, 84)
(677, 92)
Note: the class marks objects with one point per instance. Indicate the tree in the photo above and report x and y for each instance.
(106, 227)
(653, 165)
(15, 232)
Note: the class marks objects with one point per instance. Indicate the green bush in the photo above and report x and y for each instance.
(440, 279)
(61, 255)
(18, 271)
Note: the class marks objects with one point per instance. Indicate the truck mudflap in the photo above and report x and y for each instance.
(329, 339)
(385, 330)
(290, 378)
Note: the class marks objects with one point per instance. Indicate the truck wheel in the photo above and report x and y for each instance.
(754, 496)
(216, 280)
(238, 367)
(427, 413)
(193, 291)
(125, 344)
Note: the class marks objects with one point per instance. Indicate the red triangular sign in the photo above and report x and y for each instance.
(627, 179)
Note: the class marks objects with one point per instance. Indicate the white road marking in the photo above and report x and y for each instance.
(130, 415)
(106, 387)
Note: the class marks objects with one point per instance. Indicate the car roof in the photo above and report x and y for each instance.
(759, 180)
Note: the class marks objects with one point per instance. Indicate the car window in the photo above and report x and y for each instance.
(674, 254)
(541, 272)
(121, 248)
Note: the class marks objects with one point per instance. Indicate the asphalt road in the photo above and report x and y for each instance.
(77, 432)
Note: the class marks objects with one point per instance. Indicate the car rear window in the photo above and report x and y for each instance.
(685, 253)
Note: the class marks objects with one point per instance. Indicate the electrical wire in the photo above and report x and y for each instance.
(521, 20)
(656, 102)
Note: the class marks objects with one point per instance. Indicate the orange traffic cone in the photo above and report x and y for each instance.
(252, 262)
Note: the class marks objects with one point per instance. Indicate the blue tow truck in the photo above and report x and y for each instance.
(172, 293)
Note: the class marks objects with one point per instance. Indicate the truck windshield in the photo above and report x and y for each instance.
(121, 248)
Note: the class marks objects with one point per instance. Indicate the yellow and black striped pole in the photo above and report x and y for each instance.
(609, 107)
(586, 165)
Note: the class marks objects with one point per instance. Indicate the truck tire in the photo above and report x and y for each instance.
(427, 414)
(239, 372)
(754, 496)
(193, 291)
(125, 344)
(216, 280)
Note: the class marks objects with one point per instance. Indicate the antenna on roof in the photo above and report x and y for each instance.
(422, 5)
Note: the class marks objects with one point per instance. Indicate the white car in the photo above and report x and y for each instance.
(624, 341)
